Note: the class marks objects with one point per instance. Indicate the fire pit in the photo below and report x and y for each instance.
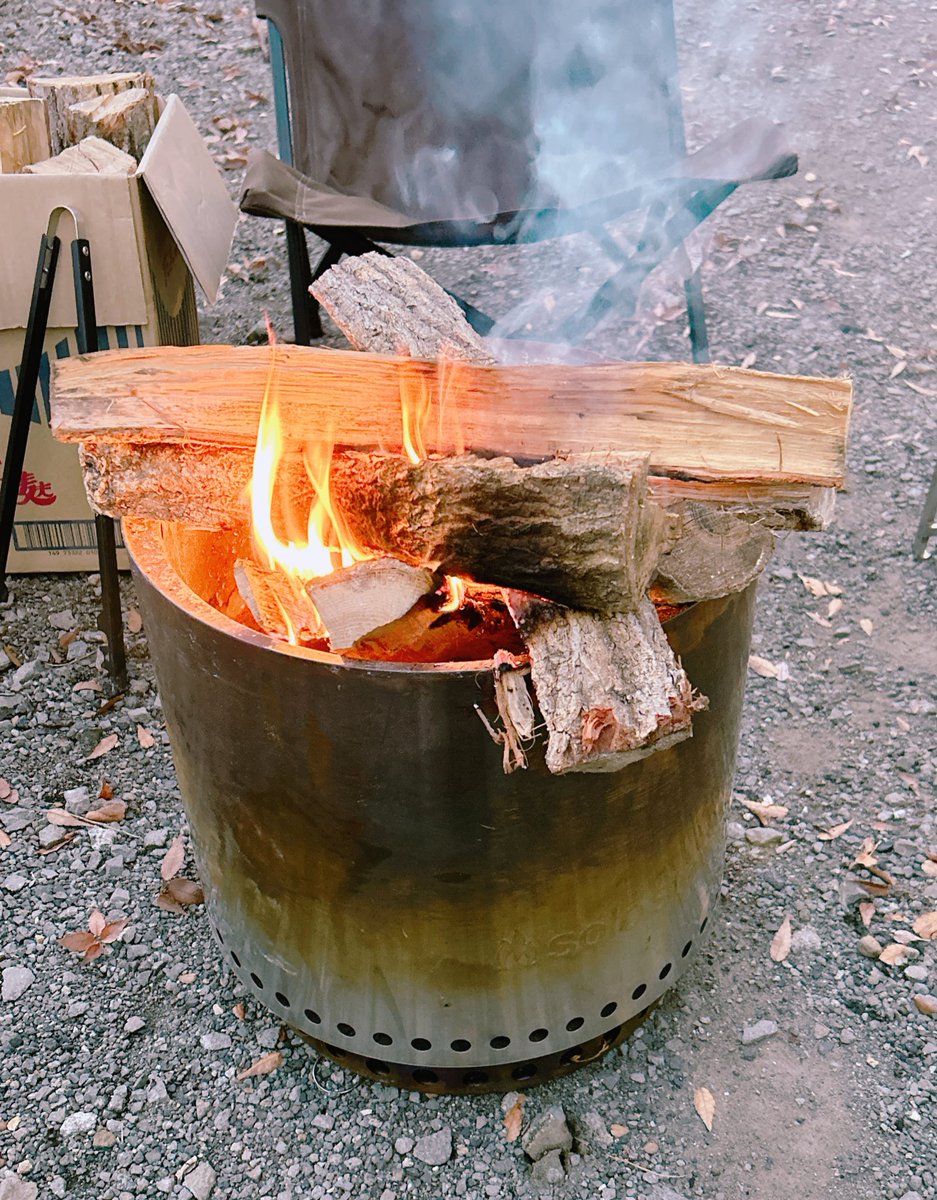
(381, 885)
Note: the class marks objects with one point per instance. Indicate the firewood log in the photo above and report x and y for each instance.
(62, 93)
(610, 688)
(126, 119)
(279, 604)
(716, 554)
(92, 156)
(354, 601)
(387, 305)
(24, 135)
(581, 532)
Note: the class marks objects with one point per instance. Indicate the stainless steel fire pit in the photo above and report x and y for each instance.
(377, 881)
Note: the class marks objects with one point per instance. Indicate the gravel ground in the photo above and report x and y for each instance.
(117, 1078)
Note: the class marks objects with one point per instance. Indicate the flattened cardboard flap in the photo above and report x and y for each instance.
(190, 194)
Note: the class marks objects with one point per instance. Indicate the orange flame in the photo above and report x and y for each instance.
(456, 587)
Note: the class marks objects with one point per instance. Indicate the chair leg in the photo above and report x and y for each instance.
(927, 528)
(111, 618)
(696, 317)
(306, 324)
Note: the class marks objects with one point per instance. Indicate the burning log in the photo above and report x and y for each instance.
(61, 95)
(387, 305)
(278, 604)
(357, 600)
(610, 689)
(577, 530)
(716, 554)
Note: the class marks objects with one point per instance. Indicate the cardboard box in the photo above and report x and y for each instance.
(149, 233)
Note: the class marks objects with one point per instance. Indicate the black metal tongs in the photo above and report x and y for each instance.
(86, 337)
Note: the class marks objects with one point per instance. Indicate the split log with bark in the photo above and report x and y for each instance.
(65, 97)
(92, 156)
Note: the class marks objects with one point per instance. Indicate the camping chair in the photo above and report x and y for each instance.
(481, 122)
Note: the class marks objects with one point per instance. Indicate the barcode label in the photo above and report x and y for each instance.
(57, 535)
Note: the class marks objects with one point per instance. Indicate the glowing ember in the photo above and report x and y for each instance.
(456, 587)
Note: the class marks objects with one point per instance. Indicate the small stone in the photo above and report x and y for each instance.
(404, 1145)
(758, 1032)
(15, 981)
(735, 831)
(15, 819)
(63, 620)
(77, 801)
(917, 973)
(594, 1129)
(821, 1031)
(76, 649)
(156, 1093)
(869, 947)
(200, 1181)
(12, 1187)
(911, 1196)
(549, 1168)
(103, 1139)
(547, 1131)
(763, 836)
(155, 839)
(662, 1191)
(214, 1041)
(14, 883)
(805, 941)
(23, 674)
(134, 1024)
(52, 835)
(269, 1037)
(847, 1037)
(434, 1149)
(75, 1123)
(927, 1005)
(324, 1121)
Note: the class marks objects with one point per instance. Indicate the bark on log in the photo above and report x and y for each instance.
(387, 305)
(354, 601)
(24, 134)
(126, 119)
(92, 156)
(716, 554)
(205, 485)
(696, 421)
(60, 94)
(581, 532)
(610, 689)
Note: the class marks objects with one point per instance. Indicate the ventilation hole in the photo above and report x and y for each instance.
(665, 970)
(281, 999)
(421, 1044)
(235, 959)
(500, 1042)
(376, 1067)
(537, 1035)
(473, 1078)
(686, 949)
(313, 1016)
(421, 1075)
(345, 1028)
(220, 936)
(524, 1071)
(383, 1039)
(704, 924)
(574, 1024)
(460, 1045)
(256, 980)
(639, 991)
(609, 1009)
(573, 1054)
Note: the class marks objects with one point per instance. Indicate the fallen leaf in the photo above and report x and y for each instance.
(177, 894)
(187, 977)
(112, 810)
(173, 858)
(834, 606)
(618, 1130)
(866, 856)
(105, 745)
(762, 666)
(5, 839)
(263, 1066)
(830, 835)
(894, 955)
(106, 792)
(866, 626)
(513, 1119)
(816, 587)
(60, 844)
(866, 912)
(927, 1005)
(926, 925)
(91, 942)
(88, 685)
(781, 942)
(240, 1010)
(61, 817)
(5, 789)
(766, 813)
(134, 621)
(902, 724)
(705, 1104)
(910, 782)
(145, 738)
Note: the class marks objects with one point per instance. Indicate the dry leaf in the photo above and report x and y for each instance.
(187, 977)
(866, 912)
(173, 858)
(513, 1118)
(766, 813)
(866, 856)
(105, 745)
(894, 955)
(106, 792)
(927, 1005)
(240, 1010)
(113, 810)
(5, 789)
(902, 724)
(618, 1130)
(61, 817)
(781, 942)
(926, 925)
(263, 1066)
(177, 894)
(134, 621)
(834, 606)
(145, 738)
(830, 835)
(762, 666)
(866, 626)
(90, 942)
(816, 587)
(5, 839)
(705, 1104)
(88, 685)
(60, 844)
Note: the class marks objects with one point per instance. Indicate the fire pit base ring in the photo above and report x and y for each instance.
(379, 884)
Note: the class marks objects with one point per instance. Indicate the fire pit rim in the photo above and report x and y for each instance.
(147, 552)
